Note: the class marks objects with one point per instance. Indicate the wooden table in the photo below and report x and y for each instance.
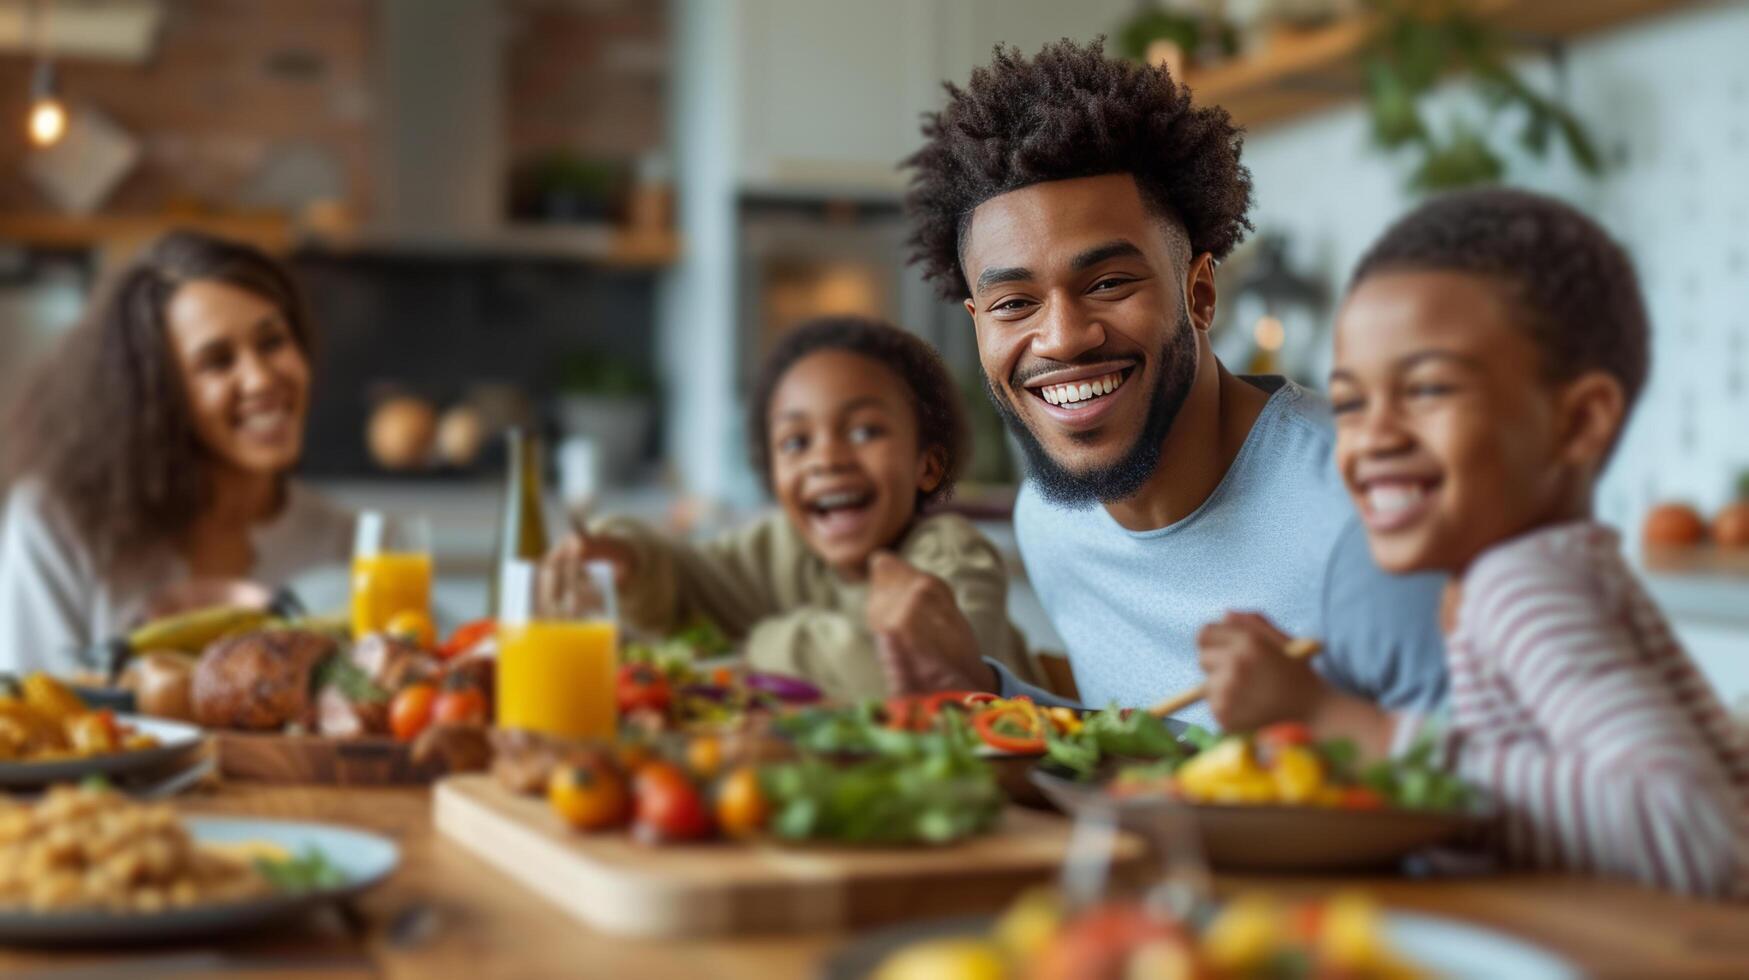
(485, 926)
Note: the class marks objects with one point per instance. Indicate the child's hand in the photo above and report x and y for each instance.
(924, 641)
(562, 575)
(1252, 681)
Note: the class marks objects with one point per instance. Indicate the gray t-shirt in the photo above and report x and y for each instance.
(1278, 536)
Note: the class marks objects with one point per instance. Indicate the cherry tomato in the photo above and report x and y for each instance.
(460, 706)
(704, 755)
(741, 806)
(641, 687)
(666, 806)
(410, 711)
(591, 796)
(1284, 733)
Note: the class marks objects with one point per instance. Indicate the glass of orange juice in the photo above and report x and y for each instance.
(391, 570)
(557, 651)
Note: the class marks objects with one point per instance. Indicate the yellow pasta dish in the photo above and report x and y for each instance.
(93, 848)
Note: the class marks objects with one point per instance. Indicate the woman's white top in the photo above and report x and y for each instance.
(56, 602)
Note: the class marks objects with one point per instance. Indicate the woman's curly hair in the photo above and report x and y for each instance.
(105, 424)
(1072, 112)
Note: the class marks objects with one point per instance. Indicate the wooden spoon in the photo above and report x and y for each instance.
(1299, 648)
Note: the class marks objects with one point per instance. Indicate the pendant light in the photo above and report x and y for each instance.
(46, 122)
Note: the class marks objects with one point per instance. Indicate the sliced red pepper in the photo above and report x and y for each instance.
(465, 637)
(933, 703)
(986, 722)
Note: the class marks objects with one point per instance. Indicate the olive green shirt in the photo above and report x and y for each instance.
(793, 614)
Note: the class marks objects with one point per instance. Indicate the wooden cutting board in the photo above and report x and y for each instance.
(614, 885)
(365, 761)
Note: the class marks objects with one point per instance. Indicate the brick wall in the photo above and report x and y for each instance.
(587, 76)
(235, 89)
(251, 103)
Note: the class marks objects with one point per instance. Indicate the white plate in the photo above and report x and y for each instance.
(1446, 948)
(1462, 951)
(174, 740)
(364, 858)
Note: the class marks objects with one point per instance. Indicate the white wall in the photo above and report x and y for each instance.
(1668, 100)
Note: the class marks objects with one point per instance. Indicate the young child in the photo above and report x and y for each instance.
(1490, 348)
(855, 426)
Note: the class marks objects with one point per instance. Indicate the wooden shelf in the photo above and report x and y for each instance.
(118, 234)
(1700, 560)
(1304, 71)
(602, 245)
(268, 230)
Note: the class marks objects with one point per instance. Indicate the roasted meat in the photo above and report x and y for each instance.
(392, 664)
(258, 681)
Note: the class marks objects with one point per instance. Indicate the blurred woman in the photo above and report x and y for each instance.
(151, 453)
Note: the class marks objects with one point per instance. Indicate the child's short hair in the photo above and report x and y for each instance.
(1574, 287)
(940, 419)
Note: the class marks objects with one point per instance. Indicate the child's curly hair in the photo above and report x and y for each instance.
(941, 420)
(1072, 112)
(1573, 287)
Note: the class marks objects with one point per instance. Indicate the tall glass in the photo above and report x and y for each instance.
(558, 638)
(391, 570)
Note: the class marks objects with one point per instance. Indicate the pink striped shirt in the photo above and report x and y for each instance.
(1572, 704)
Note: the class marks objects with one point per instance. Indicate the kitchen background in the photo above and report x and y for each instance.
(594, 214)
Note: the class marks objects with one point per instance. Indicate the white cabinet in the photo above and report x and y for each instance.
(831, 92)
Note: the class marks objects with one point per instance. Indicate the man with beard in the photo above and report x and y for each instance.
(1173, 512)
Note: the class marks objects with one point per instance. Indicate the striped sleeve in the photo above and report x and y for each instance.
(1615, 775)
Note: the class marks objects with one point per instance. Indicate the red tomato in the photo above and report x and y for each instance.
(410, 711)
(641, 687)
(460, 706)
(666, 806)
(1284, 733)
(1362, 798)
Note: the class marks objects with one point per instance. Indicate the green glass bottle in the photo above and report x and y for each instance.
(522, 528)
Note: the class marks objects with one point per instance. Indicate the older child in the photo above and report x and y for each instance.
(855, 426)
(1487, 356)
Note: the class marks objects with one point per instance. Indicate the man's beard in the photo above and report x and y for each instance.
(1124, 478)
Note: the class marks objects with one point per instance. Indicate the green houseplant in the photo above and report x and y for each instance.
(1415, 44)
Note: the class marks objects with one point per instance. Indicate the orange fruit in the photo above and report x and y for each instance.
(1731, 525)
(1671, 525)
(414, 627)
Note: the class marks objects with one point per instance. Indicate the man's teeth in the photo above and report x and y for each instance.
(1393, 498)
(1081, 391)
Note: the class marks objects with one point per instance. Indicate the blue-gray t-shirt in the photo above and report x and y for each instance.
(1278, 536)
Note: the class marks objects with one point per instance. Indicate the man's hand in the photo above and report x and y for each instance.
(1252, 681)
(925, 643)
